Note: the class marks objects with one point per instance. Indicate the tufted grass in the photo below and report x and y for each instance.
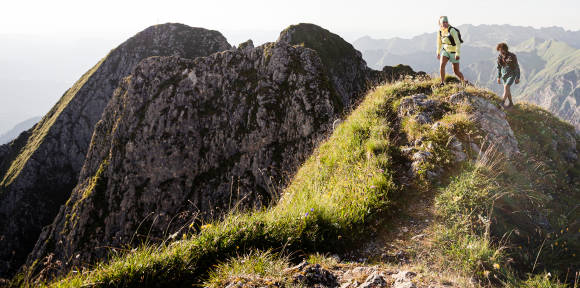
(257, 268)
(348, 182)
(343, 186)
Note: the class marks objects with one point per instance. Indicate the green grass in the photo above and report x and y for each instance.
(256, 269)
(350, 180)
(345, 183)
(463, 239)
(488, 209)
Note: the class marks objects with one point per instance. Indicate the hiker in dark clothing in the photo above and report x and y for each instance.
(508, 70)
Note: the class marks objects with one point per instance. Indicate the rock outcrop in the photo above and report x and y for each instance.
(345, 66)
(184, 138)
(42, 166)
(492, 121)
(560, 96)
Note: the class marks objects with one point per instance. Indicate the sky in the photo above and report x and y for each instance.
(47, 45)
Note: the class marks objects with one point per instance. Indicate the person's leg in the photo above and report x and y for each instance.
(457, 72)
(442, 65)
(504, 96)
(508, 94)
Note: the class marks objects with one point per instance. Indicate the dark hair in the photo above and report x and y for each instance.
(501, 46)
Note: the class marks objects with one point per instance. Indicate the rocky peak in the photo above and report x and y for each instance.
(345, 65)
(37, 175)
(192, 138)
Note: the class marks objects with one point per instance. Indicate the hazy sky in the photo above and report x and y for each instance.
(379, 18)
(52, 43)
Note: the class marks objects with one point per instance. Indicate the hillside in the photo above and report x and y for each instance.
(545, 56)
(186, 140)
(39, 169)
(467, 195)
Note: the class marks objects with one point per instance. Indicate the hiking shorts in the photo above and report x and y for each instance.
(451, 56)
(509, 80)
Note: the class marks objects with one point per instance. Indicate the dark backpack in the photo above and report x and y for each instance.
(451, 37)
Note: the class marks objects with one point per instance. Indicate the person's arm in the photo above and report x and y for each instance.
(439, 44)
(498, 71)
(457, 42)
(517, 68)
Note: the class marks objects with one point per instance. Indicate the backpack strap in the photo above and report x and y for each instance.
(451, 36)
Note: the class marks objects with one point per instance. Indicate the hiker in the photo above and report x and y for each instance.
(448, 49)
(508, 70)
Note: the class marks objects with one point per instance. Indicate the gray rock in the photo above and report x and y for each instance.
(423, 118)
(421, 156)
(404, 276)
(195, 137)
(492, 121)
(345, 66)
(459, 156)
(42, 169)
(375, 280)
(404, 285)
(316, 276)
(425, 110)
(246, 45)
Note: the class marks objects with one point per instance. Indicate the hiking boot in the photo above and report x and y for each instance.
(441, 84)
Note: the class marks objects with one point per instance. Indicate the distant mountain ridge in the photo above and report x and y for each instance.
(545, 56)
(18, 128)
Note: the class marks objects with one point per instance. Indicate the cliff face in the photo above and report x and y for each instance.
(41, 167)
(186, 138)
(346, 68)
(561, 96)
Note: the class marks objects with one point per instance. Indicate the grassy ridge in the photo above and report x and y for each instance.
(348, 180)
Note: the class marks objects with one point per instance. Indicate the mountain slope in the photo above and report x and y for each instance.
(191, 138)
(41, 167)
(405, 142)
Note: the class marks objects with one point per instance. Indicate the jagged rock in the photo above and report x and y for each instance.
(403, 279)
(457, 150)
(246, 45)
(492, 121)
(345, 66)
(316, 276)
(375, 280)
(404, 285)
(182, 137)
(298, 267)
(42, 168)
(238, 284)
(421, 156)
(425, 110)
(423, 118)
